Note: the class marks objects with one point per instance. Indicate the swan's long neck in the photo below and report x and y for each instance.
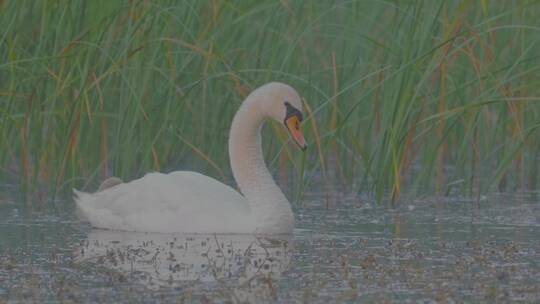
(270, 207)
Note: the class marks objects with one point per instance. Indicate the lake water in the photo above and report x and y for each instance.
(351, 251)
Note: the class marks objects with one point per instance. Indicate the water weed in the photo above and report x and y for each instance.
(403, 97)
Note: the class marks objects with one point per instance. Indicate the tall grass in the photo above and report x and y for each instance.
(403, 96)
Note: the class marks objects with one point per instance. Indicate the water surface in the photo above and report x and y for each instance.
(349, 251)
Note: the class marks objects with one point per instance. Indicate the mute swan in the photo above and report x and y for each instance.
(189, 202)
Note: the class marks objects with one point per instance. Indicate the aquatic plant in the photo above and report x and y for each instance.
(433, 96)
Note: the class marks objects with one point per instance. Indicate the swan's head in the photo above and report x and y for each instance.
(283, 104)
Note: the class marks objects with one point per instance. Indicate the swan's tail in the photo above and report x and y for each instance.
(83, 200)
(94, 208)
(80, 199)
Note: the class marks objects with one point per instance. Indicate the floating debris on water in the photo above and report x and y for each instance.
(431, 252)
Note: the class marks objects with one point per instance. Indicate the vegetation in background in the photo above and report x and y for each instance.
(402, 96)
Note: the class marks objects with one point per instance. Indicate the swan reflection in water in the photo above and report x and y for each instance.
(246, 262)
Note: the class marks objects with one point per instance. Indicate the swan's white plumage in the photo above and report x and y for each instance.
(179, 201)
(189, 202)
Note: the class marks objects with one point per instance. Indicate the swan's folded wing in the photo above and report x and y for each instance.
(161, 201)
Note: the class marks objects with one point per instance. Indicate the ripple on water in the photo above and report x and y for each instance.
(430, 249)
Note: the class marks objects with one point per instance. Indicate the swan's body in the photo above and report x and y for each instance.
(181, 201)
(190, 202)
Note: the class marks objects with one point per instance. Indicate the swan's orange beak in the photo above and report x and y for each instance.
(293, 125)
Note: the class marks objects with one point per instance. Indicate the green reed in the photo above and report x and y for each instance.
(406, 97)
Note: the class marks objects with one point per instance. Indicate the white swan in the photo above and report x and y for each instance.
(189, 202)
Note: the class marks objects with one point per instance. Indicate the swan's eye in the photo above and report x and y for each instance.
(292, 111)
(293, 125)
(293, 118)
